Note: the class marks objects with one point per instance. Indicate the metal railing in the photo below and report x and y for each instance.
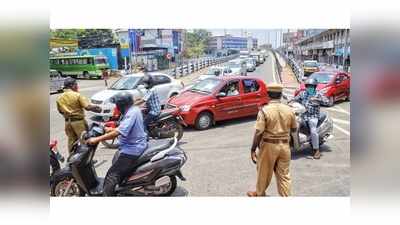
(295, 65)
(193, 65)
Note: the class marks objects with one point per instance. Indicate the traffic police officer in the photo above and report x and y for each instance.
(71, 105)
(274, 123)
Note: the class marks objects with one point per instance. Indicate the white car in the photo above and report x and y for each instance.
(251, 64)
(165, 86)
(238, 67)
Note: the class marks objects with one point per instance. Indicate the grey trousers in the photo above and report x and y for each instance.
(312, 123)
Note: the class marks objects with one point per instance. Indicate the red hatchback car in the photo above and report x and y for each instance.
(335, 85)
(220, 98)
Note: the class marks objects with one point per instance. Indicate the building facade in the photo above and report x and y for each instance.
(330, 46)
(218, 43)
(153, 47)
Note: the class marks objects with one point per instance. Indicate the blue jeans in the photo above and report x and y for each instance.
(312, 123)
(148, 118)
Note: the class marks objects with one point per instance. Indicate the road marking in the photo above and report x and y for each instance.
(338, 110)
(341, 129)
(343, 110)
(273, 67)
(340, 121)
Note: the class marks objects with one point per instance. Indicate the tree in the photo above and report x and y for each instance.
(196, 43)
(87, 38)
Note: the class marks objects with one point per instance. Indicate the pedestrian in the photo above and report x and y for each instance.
(71, 105)
(274, 124)
(105, 76)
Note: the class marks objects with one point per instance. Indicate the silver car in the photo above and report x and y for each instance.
(165, 86)
(56, 82)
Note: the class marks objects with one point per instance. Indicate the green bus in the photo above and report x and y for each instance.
(87, 66)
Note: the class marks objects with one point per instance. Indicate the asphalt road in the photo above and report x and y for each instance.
(219, 158)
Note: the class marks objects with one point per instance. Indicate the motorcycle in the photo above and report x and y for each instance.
(154, 175)
(302, 136)
(168, 124)
(55, 159)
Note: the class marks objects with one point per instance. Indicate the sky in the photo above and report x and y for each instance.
(263, 35)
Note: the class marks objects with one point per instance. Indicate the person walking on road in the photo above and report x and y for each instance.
(71, 105)
(105, 75)
(311, 100)
(274, 124)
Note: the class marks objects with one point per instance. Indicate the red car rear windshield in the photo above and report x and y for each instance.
(322, 78)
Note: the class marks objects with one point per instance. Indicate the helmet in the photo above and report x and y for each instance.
(147, 79)
(311, 82)
(123, 101)
(69, 82)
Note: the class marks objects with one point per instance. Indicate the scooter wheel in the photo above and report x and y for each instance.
(60, 182)
(174, 184)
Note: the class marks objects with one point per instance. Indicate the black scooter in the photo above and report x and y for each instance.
(154, 175)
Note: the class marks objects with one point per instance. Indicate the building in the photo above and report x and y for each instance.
(330, 46)
(218, 43)
(152, 47)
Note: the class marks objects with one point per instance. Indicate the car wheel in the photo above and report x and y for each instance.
(331, 101)
(347, 97)
(86, 75)
(204, 121)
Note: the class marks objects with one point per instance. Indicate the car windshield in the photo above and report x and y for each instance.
(206, 85)
(310, 64)
(213, 71)
(322, 78)
(125, 83)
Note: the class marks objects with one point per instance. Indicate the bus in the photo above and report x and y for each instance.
(87, 66)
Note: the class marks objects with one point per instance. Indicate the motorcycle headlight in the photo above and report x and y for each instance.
(185, 108)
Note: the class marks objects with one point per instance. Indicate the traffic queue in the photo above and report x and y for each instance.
(143, 115)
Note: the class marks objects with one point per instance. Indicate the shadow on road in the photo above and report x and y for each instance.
(226, 123)
(180, 192)
(307, 152)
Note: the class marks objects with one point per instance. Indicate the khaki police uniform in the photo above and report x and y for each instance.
(275, 121)
(72, 104)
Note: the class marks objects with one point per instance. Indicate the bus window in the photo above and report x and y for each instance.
(90, 61)
(101, 61)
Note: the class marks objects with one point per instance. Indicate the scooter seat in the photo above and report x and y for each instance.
(153, 148)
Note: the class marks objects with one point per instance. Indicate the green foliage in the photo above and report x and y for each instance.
(196, 43)
(88, 38)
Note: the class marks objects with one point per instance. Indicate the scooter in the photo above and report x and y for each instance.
(302, 137)
(154, 175)
(55, 159)
(168, 124)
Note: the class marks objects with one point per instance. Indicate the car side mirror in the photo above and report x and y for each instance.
(141, 86)
(221, 94)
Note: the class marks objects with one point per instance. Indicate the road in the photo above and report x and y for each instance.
(219, 158)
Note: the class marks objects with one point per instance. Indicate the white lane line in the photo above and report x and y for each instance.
(343, 110)
(337, 110)
(273, 67)
(340, 121)
(341, 129)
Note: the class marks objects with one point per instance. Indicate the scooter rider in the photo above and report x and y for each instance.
(133, 141)
(311, 100)
(152, 101)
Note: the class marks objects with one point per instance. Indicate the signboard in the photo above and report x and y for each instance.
(59, 42)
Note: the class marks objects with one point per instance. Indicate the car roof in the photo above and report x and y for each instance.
(140, 74)
(228, 78)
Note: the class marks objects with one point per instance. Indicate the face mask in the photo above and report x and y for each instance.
(311, 90)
